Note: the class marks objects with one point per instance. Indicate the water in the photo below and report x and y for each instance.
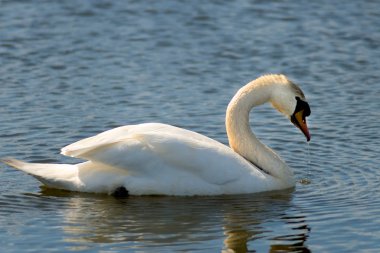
(72, 69)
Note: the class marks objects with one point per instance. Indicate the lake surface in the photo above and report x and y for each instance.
(71, 69)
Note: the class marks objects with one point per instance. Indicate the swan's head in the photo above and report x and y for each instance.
(290, 100)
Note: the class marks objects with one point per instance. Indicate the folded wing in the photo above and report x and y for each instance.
(157, 150)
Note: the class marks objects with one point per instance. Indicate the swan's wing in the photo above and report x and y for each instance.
(156, 149)
(80, 148)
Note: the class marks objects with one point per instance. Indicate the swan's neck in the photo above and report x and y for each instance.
(241, 138)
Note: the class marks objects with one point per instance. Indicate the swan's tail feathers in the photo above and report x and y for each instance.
(13, 162)
(61, 176)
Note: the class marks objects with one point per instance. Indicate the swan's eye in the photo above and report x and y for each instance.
(302, 105)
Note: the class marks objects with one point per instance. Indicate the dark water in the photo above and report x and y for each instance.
(70, 69)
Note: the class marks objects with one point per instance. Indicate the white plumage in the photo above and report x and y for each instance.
(155, 158)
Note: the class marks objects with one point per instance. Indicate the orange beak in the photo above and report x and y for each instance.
(299, 121)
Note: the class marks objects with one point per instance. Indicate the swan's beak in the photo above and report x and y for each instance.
(299, 120)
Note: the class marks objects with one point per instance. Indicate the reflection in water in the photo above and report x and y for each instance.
(190, 223)
(293, 242)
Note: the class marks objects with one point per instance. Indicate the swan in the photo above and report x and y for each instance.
(160, 159)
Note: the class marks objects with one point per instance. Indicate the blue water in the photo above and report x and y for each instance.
(71, 69)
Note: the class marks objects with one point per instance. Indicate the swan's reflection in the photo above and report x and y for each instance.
(185, 223)
(264, 218)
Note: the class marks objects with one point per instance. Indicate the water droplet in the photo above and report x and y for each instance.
(308, 155)
(307, 180)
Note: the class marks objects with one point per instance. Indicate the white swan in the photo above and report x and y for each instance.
(155, 158)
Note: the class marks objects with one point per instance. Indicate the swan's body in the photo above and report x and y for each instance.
(161, 159)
